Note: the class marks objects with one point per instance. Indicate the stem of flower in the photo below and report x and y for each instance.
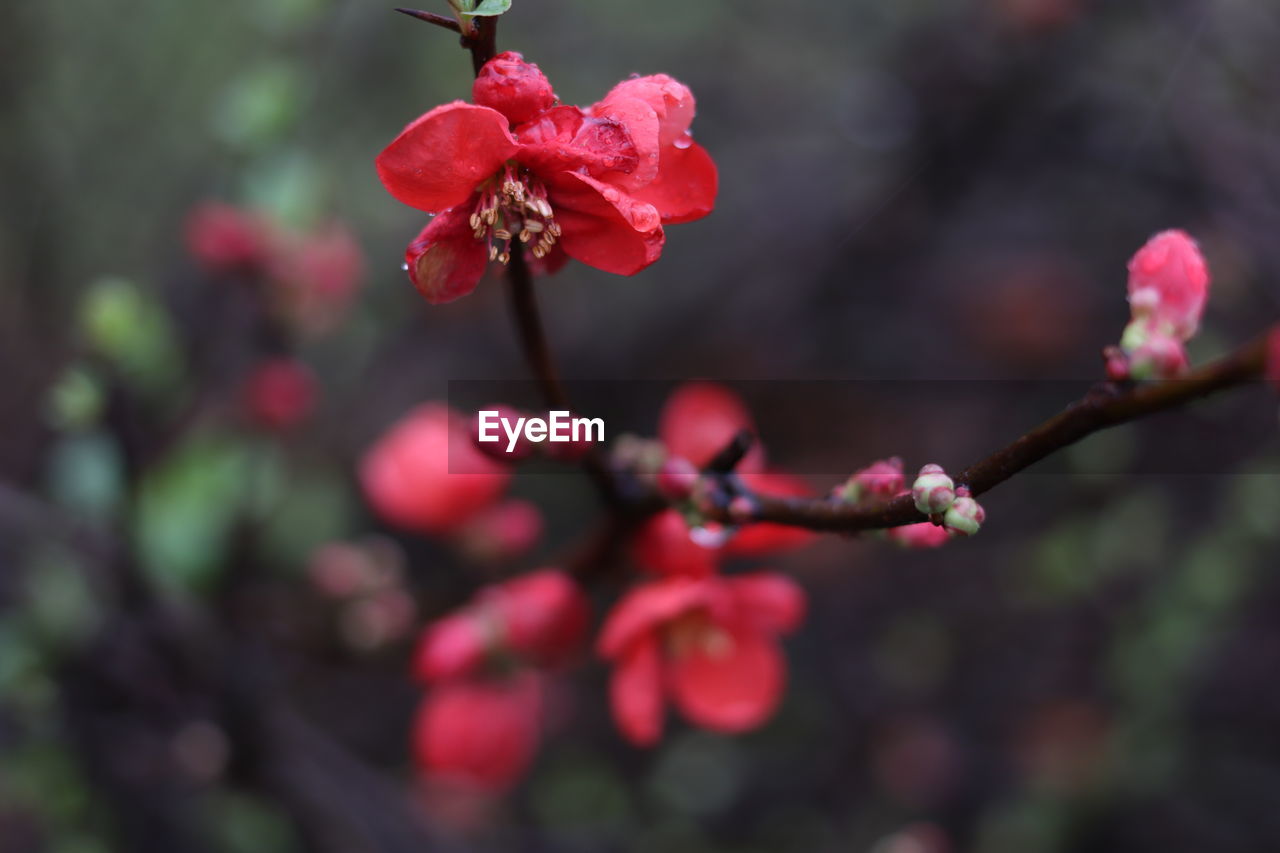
(432, 18)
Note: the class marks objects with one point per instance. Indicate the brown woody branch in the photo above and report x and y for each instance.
(1107, 404)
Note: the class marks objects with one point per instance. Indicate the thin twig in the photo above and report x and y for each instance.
(1107, 405)
(432, 18)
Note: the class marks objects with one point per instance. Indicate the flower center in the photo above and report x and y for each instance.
(514, 206)
(695, 632)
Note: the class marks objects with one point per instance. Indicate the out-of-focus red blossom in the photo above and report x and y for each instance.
(700, 418)
(497, 450)
(708, 644)
(880, 481)
(479, 733)
(502, 531)
(1169, 283)
(225, 239)
(1272, 370)
(759, 539)
(922, 535)
(280, 393)
(539, 618)
(424, 473)
(516, 172)
(317, 275)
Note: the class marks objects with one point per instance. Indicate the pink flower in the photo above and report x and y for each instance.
(539, 618)
(1169, 284)
(1272, 371)
(479, 733)
(515, 172)
(502, 531)
(708, 644)
(922, 535)
(425, 475)
(316, 276)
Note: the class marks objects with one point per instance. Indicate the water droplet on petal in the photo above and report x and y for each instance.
(610, 195)
(405, 266)
(683, 141)
(709, 537)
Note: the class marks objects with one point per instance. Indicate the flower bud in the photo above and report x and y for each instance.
(964, 517)
(1158, 357)
(933, 491)
(1272, 370)
(280, 393)
(1169, 284)
(741, 509)
(513, 87)
(881, 480)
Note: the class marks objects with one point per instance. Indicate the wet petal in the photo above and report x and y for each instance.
(685, 186)
(439, 159)
(670, 99)
(602, 226)
(446, 260)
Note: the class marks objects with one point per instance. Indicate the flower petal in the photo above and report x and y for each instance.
(731, 685)
(700, 418)
(635, 693)
(686, 184)
(772, 602)
(439, 159)
(664, 546)
(602, 226)
(647, 606)
(564, 138)
(446, 260)
(641, 124)
(670, 99)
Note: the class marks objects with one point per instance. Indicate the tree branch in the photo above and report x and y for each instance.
(1107, 404)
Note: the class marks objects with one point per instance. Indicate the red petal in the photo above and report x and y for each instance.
(641, 127)
(603, 226)
(450, 647)
(647, 606)
(446, 260)
(731, 685)
(757, 539)
(635, 693)
(564, 139)
(438, 160)
(663, 546)
(670, 99)
(700, 418)
(686, 184)
(544, 615)
(513, 87)
(772, 602)
(479, 733)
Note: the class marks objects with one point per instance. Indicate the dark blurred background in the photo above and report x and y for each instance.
(909, 191)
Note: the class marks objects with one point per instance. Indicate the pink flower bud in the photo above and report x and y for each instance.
(964, 517)
(741, 509)
(677, 478)
(223, 238)
(1169, 283)
(933, 491)
(513, 87)
(881, 480)
(1158, 357)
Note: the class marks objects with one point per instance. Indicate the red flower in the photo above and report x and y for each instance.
(709, 644)
(424, 474)
(538, 618)
(316, 276)
(280, 393)
(513, 168)
(479, 733)
(700, 418)
(925, 534)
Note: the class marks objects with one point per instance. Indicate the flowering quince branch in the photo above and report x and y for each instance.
(518, 178)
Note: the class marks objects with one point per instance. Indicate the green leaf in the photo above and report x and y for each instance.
(489, 8)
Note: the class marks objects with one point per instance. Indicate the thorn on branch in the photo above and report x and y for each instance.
(432, 18)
